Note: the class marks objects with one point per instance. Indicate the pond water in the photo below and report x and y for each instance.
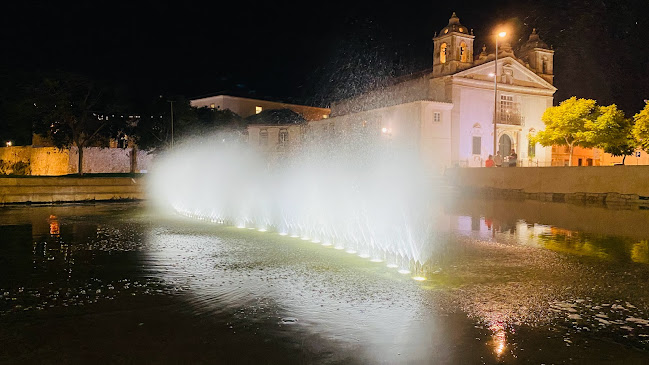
(509, 282)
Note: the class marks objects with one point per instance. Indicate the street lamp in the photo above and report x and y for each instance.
(499, 35)
(172, 122)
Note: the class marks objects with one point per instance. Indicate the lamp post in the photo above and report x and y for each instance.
(499, 35)
(172, 122)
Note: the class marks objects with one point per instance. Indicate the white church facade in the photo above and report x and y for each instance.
(447, 112)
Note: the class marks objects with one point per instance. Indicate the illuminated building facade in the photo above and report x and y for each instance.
(447, 112)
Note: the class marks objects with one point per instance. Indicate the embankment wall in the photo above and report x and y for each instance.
(596, 184)
(55, 189)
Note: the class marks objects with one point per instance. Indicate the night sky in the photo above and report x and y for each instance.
(311, 52)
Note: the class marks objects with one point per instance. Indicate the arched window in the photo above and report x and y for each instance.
(476, 145)
(442, 53)
(463, 52)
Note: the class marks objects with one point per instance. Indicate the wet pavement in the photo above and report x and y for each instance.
(510, 282)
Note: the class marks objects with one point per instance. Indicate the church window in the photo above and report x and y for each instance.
(283, 137)
(463, 52)
(544, 65)
(437, 117)
(508, 110)
(442, 53)
(263, 137)
(258, 109)
(477, 145)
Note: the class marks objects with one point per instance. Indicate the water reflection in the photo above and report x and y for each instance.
(488, 276)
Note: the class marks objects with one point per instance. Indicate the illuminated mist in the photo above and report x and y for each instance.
(363, 194)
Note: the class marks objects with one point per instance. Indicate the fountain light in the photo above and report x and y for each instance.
(376, 260)
(404, 271)
(351, 251)
(295, 236)
(262, 229)
(338, 247)
(283, 233)
(327, 244)
(419, 278)
(316, 241)
(364, 256)
(393, 266)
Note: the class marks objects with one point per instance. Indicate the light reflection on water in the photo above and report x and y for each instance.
(501, 273)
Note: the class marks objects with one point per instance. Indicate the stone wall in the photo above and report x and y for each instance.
(55, 189)
(51, 161)
(596, 184)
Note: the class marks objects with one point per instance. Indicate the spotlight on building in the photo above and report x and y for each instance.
(9, 143)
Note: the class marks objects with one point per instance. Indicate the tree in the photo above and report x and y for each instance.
(76, 111)
(641, 127)
(276, 117)
(153, 131)
(611, 131)
(216, 120)
(567, 124)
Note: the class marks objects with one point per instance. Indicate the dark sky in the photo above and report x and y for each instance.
(315, 52)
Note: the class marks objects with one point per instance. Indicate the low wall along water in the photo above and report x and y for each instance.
(603, 184)
(51, 161)
(17, 190)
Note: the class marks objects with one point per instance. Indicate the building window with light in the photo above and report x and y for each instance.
(463, 52)
(258, 109)
(442, 53)
(477, 145)
(212, 106)
(437, 117)
(283, 137)
(263, 137)
(508, 109)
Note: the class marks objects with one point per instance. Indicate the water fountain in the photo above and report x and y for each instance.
(363, 194)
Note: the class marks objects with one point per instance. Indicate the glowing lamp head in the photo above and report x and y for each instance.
(384, 130)
(502, 34)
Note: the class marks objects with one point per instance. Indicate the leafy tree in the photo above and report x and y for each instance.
(611, 131)
(641, 127)
(153, 131)
(567, 124)
(76, 111)
(17, 110)
(216, 120)
(276, 117)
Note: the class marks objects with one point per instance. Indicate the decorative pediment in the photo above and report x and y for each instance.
(510, 72)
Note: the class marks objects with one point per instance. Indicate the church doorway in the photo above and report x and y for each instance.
(505, 145)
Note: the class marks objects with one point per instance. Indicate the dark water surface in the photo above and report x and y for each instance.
(510, 282)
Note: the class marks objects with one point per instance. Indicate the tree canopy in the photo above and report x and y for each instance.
(72, 110)
(565, 125)
(611, 131)
(581, 122)
(641, 128)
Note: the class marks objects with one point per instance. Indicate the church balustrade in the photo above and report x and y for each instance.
(511, 119)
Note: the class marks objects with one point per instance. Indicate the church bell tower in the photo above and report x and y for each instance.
(453, 48)
(539, 57)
